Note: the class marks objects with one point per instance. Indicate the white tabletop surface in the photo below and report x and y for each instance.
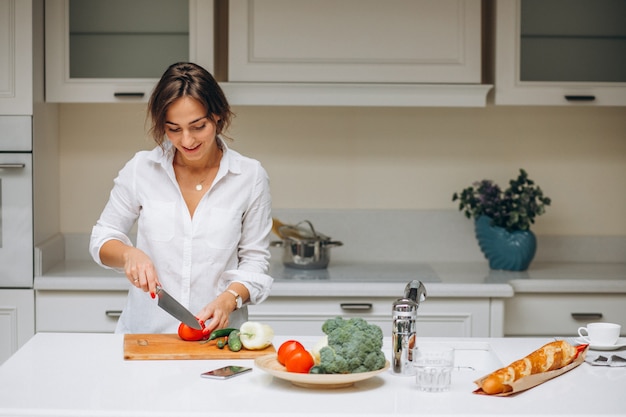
(57, 374)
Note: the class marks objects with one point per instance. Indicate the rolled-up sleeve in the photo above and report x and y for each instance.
(118, 216)
(253, 252)
(258, 285)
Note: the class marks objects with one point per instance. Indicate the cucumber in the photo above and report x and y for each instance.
(221, 333)
(234, 342)
(221, 343)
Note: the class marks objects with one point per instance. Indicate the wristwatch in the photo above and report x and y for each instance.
(237, 298)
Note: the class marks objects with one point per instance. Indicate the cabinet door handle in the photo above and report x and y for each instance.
(129, 95)
(7, 166)
(356, 306)
(113, 313)
(579, 98)
(586, 316)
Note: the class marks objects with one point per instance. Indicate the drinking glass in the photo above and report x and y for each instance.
(433, 366)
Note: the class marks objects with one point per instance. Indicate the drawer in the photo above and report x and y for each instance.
(561, 315)
(78, 311)
(436, 317)
(305, 315)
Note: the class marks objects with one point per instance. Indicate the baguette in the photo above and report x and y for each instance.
(549, 357)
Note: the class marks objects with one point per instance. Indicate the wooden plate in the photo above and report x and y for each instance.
(269, 364)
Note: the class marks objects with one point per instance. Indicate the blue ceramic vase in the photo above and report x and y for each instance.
(511, 251)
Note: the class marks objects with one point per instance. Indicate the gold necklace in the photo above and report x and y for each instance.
(199, 185)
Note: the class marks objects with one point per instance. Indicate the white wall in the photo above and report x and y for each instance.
(381, 158)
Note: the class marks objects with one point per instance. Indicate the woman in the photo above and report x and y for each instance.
(202, 211)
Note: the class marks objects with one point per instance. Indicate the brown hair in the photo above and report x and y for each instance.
(191, 80)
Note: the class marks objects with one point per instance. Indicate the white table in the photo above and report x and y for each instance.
(58, 374)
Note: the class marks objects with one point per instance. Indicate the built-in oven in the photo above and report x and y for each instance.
(16, 202)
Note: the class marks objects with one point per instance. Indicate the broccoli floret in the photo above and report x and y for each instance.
(333, 363)
(354, 345)
(316, 369)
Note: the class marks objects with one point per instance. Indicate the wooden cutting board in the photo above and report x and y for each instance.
(170, 346)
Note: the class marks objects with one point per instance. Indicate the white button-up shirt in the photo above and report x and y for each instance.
(196, 258)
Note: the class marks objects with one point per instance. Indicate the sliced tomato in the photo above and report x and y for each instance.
(300, 361)
(286, 349)
(187, 333)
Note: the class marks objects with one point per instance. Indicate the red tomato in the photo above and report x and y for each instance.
(187, 333)
(300, 361)
(286, 349)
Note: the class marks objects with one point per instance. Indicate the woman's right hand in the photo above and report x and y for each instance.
(137, 266)
(140, 270)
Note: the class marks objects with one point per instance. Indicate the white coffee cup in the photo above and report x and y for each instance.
(601, 334)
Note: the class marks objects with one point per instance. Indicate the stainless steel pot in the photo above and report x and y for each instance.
(304, 248)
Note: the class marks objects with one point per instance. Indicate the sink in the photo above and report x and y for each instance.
(470, 355)
(476, 356)
(472, 360)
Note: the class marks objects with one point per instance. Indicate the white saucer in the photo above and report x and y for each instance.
(621, 342)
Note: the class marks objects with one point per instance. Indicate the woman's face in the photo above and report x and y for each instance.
(190, 130)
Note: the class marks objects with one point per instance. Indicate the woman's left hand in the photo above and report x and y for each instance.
(215, 314)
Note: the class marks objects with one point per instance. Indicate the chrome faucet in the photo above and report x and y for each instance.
(404, 327)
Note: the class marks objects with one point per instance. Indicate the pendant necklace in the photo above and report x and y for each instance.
(199, 185)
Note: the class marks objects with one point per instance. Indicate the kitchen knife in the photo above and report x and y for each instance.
(176, 309)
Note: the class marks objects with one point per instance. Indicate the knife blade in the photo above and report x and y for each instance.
(176, 309)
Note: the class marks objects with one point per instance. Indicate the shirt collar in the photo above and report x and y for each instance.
(165, 157)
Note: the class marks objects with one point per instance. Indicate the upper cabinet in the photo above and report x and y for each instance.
(355, 52)
(16, 59)
(348, 41)
(271, 52)
(560, 52)
(116, 50)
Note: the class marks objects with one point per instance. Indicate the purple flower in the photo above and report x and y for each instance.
(514, 208)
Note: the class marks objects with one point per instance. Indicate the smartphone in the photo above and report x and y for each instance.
(226, 372)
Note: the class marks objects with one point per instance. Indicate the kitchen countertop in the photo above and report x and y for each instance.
(85, 375)
(338, 280)
(442, 279)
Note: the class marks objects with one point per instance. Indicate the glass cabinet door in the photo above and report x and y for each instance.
(573, 40)
(126, 39)
(560, 52)
(111, 50)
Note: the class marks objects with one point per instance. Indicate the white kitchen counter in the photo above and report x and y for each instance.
(442, 279)
(58, 374)
(348, 279)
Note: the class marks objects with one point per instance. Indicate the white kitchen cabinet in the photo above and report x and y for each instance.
(399, 41)
(16, 60)
(466, 317)
(98, 311)
(536, 314)
(560, 52)
(17, 320)
(115, 51)
(79, 311)
(354, 52)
